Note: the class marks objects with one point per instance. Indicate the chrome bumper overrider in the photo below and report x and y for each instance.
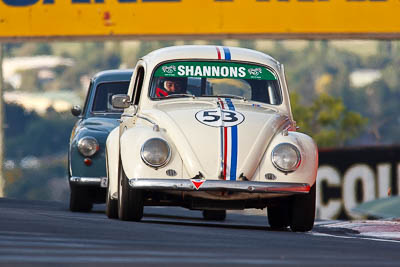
(219, 185)
(98, 181)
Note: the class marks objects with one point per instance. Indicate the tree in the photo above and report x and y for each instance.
(36, 135)
(327, 120)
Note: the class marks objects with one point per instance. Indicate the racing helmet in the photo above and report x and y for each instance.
(180, 81)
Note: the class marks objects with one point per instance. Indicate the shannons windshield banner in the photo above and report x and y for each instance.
(214, 70)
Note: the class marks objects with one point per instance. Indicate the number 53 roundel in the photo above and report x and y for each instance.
(219, 117)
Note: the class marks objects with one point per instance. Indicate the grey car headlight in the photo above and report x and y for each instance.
(88, 146)
(155, 152)
(286, 157)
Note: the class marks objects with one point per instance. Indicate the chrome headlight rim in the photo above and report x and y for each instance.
(296, 165)
(83, 146)
(147, 162)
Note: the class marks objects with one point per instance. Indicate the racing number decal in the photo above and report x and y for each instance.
(228, 116)
(208, 113)
(219, 117)
(231, 116)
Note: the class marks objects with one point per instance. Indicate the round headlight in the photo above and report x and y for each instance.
(88, 146)
(286, 157)
(155, 152)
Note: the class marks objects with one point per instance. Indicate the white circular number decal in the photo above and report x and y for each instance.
(219, 117)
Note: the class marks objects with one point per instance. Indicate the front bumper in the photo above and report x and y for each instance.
(219, 185)
(90, 181)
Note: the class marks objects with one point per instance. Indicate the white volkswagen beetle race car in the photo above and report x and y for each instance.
(210, 128)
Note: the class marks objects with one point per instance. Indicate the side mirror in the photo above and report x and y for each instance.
(120, 101)
(76, 110)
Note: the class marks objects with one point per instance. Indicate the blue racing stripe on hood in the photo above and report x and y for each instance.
(234, 144)
(227, 53)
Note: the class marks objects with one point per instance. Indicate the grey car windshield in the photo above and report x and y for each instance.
(215, 79)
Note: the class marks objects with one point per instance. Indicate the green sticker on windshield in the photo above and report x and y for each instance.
(214, 70)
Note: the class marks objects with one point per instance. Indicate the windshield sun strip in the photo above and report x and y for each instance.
(269, 68)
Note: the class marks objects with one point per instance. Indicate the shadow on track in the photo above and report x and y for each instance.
(200, 222)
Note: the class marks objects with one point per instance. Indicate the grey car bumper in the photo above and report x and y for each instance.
(91, 181)
(219, 185)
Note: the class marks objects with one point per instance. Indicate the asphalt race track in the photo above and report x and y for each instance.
(47, 234)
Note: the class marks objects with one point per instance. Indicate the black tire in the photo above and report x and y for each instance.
(303, 211)
(214, 215)
(80, 200)
(111, 207)
(130, 201)
(278, 216)
(111, 204)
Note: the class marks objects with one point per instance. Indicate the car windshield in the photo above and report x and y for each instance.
(215, 79)
(104, 92)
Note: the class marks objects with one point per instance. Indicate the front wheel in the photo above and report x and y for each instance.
(130, 201)
(303, 211)
(111, 204)
(80, 199)
(111, 207)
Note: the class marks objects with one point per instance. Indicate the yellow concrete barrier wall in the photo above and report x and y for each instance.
(220, 18)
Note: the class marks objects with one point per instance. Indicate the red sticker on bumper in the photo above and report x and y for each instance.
(197, 183)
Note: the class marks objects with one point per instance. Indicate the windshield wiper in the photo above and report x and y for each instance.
(178, 95)
(227, 96)
(105, 113)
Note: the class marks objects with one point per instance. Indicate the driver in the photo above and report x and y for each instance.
(170, 85)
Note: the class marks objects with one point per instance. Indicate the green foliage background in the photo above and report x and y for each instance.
(324, 102)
